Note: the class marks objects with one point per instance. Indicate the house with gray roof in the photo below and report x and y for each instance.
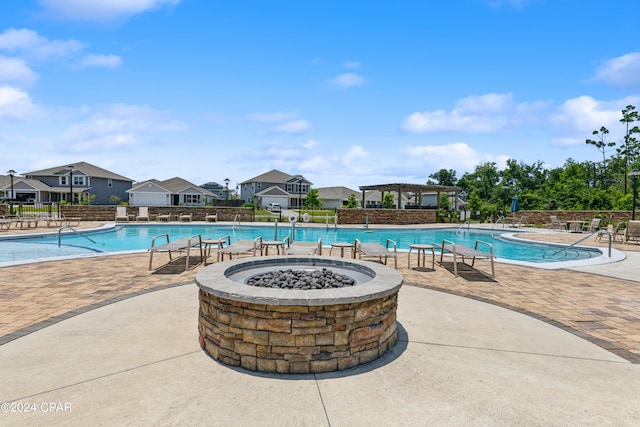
(80, 179)
(171, 192)
(335, 197)
(290, 191)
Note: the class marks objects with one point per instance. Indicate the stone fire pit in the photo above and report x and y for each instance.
(295, 330)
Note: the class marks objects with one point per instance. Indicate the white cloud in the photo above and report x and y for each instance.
(458, 156)
(102, 10)
(352, 64)
(475, 114)
(277, 117)
(14, 103)
(117, 126)
(296, 126)
(108, 61)
(15, 72)
(347, 80)
(584, 114)
(30, 44)
(310, 144)
(621, 72)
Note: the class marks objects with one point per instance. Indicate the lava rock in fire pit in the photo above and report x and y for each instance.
(301, 279)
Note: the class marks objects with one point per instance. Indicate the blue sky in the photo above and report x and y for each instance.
(344, 92)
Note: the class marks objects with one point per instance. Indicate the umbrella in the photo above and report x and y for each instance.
(515, 204)
(515, 207)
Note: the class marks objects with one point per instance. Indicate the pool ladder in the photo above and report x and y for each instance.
(68, 227)
(467, 223)
(585, 238)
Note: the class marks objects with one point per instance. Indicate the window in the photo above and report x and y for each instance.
(259, 184)
(109, 183)
(79, 180)
(192, 199)
(64, 180)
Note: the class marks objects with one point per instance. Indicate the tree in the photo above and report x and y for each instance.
(312, 200)
(601, 144)
(352, 202)
(387, 202)
(630, 150)
(444, 177)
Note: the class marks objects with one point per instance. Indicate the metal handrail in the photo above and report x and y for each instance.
(235, 219)
(74, 231)
(499, 220)
(585, 238)
(467, 223)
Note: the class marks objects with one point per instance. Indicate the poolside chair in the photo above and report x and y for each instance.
(302, 248)
(377, 250)
(632, 232)
(163, 217)
(5, 224)
(121, 213)
(556, 224)
(180, 245)
(241, 247)
(143, 214)
(593, 226)
(185, 217)
(211, 217)
(616, 233)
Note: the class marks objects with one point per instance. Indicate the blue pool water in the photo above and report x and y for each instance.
(138, 237)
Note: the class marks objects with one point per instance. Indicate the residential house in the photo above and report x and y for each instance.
(171, 192)
(336, 197)
(80, 179)
(289, 191)
(217, 189)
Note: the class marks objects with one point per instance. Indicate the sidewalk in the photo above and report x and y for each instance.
(457, 362)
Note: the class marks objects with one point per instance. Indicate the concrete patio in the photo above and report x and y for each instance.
(117, 344)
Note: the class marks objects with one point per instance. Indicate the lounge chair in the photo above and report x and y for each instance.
(633, 231)
(377, 250)
(143, 214)
(241, 247)
(593, 226)
(185, 217)
(556, 224)
(121, 213)
(5, 224)
(163, 217)
(211, 217)
(616, 233)
(302, 248)
(180, 245)
(462, 251)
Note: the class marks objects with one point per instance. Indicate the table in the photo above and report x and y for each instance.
(342, 246)
(422, 249)
(576, 225)
(275, 243)
(218, 243)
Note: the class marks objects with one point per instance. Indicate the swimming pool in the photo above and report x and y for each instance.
(137, 237)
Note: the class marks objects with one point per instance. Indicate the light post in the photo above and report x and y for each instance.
(71, 168)
(634, 179)
(300, 193)
(11, 173)
(226, 185)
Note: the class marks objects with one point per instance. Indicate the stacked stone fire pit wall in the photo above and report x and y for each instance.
(297, 331)
(297, 339)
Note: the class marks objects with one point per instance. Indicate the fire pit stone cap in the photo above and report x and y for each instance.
(213, 279)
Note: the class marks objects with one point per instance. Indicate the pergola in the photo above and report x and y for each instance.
(418, 189)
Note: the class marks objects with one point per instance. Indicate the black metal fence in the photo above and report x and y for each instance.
(33, 210)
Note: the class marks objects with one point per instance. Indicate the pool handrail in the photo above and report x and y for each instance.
(74, 231)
